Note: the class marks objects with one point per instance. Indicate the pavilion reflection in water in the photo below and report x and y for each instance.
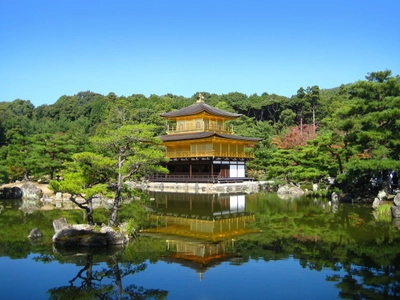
(199, 228)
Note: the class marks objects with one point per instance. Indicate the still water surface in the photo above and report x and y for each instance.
(213, 247)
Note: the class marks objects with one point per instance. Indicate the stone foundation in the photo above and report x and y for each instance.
(247, 187)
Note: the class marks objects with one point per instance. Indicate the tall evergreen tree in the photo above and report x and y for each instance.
(371, 124)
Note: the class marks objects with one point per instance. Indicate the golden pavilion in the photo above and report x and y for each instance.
(201, 147)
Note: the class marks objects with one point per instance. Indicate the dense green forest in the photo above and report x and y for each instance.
(344, 132)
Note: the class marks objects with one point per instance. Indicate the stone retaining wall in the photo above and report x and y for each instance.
(30, 201)
(200, 188)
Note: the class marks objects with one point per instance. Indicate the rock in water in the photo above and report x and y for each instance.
(396, 199)
(30, 191)
(382, 195)
(376, 203)
(84, 235)
(35, 233)
(335, 197)
(288, 191)
(60, 224)
(395, 211)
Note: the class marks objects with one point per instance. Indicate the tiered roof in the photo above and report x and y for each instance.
(204, 135)
(197, 108)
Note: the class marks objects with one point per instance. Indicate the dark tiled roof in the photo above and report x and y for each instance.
(203, 135)
(237, 137)
(199, 107)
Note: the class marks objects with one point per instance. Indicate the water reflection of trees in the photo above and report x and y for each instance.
(107, 282)
(362, 252)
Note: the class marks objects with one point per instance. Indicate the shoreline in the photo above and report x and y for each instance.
(43, 186)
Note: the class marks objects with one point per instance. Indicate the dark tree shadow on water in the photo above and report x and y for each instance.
(87, 284)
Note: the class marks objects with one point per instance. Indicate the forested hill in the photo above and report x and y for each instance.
(88, 109)
(351, 129)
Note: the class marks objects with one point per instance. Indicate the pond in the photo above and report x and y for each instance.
(254, 246)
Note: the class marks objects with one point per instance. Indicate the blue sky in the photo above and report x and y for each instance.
(61, 47)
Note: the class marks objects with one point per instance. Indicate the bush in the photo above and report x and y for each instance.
(383, 213)
(384, 210)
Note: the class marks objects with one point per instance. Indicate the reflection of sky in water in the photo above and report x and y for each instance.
(181, 277)
(283, 279)
(28, 279)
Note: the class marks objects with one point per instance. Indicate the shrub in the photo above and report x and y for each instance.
(384, 213)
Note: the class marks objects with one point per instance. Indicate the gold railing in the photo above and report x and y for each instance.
(199, 127)
(209, 153)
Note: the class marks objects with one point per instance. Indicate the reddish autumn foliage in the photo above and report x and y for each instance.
(295, 137)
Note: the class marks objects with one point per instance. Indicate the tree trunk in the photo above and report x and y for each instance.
(117, 199)
(340, 164)
(313, 119)
(339, 160)
(89, 211)
(301, 124)
(114, 214)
